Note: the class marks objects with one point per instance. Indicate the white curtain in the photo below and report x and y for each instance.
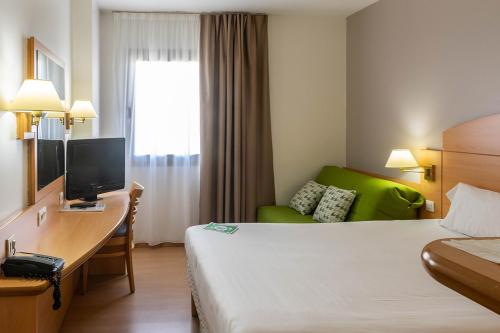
(170, 176)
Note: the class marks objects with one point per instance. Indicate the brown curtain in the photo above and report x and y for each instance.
(236, 148)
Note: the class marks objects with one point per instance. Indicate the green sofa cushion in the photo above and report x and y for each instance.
(282, 214)
(377, 199)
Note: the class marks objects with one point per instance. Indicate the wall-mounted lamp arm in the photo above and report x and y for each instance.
(427, 170)
(404, 160)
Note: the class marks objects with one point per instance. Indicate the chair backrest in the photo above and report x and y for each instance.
(135, 193)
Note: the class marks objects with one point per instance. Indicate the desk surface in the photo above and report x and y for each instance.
(467, 274)
(73, 236)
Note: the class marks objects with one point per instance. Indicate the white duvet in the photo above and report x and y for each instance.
(342, 277)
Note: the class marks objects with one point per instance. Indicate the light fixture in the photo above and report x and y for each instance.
(404, 160)
(57, 115)
(80, 111)
(37, 97)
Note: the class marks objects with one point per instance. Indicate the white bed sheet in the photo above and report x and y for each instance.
(342, 277)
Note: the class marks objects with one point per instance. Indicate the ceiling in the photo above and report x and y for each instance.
(329, 7)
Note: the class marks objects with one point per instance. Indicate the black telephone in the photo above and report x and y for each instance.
(36, 266)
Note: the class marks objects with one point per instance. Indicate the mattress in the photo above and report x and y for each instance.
(341, 277)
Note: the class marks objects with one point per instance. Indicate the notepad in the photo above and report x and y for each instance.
(488, 249)
(224, 228)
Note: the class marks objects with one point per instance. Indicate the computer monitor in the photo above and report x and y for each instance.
(94, 166)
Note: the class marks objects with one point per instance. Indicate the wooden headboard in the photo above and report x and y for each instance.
(471, 154)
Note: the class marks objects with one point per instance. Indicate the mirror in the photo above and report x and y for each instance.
(47, 150)
(49, 68)
(50, 160)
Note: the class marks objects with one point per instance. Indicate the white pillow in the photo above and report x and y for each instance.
(451, 193)
(474, 212)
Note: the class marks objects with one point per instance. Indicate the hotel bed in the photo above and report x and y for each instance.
(347, 277)
(342, 277)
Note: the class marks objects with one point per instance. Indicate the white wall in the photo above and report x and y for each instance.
(49, 22)
(308, 88)
(85, 61)
(106, 71)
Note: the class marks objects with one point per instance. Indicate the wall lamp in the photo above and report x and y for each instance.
(404, 160)
(37, 97)
(79, 112)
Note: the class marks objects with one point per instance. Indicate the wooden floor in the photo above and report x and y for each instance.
(161, 302)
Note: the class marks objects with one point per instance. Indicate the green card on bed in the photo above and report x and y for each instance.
(227, 229)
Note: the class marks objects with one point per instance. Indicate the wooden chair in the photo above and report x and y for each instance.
(120, 245)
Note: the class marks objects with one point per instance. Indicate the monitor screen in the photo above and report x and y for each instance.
(94, 166)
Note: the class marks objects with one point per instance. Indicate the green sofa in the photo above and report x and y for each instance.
(376, 199)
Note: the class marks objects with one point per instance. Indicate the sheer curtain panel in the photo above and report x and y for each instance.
(156, 107)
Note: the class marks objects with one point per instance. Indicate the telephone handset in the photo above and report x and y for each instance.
(36, 266)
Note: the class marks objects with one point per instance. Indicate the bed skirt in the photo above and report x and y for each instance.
(196, 300)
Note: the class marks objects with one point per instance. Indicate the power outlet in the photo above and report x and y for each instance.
(10, 246)
(42, 215)
(429, 206)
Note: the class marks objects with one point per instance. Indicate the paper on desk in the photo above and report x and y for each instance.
(488, 249)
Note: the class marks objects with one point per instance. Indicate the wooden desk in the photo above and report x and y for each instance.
(467, 274)
(26, 305)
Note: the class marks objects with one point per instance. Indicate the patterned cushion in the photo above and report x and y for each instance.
(334, 205)
(307, 198)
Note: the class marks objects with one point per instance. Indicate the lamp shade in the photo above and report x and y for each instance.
(37, 96)
(401, 158)
(82, 110)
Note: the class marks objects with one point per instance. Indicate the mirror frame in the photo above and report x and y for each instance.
(35, 195)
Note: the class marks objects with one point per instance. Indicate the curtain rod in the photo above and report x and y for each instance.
(181, 12)
(152, 12)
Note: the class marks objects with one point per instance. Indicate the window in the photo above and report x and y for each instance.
(167, 108)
